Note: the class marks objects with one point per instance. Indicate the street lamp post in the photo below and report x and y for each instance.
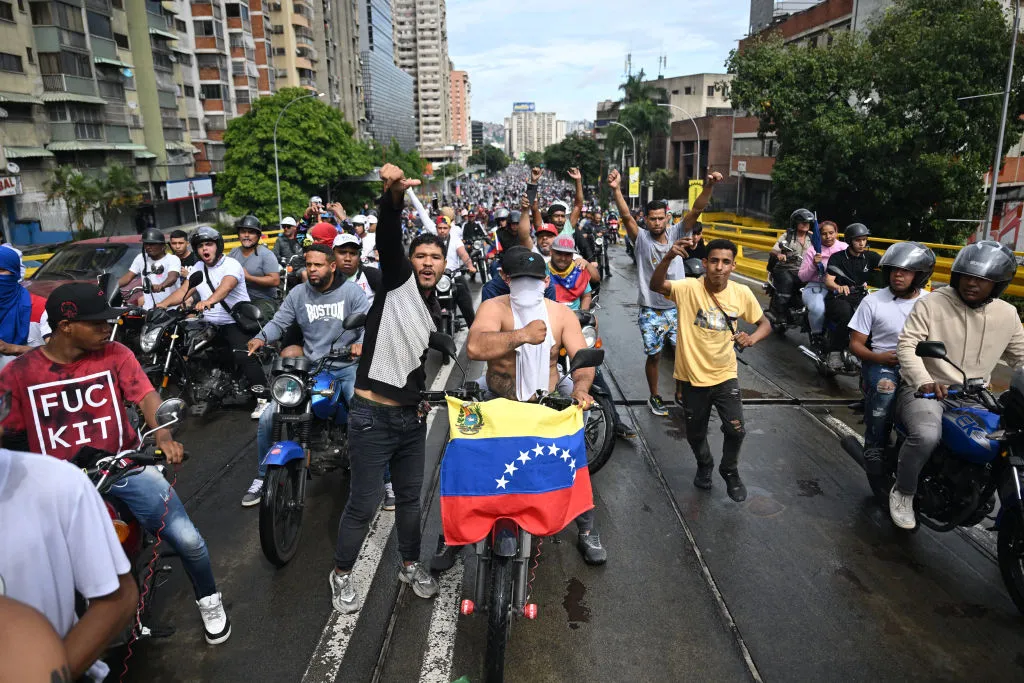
(277, 174)
(997, 162)
(616, 123)
(696, 164)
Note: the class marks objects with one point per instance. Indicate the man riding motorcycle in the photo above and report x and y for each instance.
(978, 329)
(287, 246)
(856, 263)
(457, 257)
(318, 307)
(262, 270)
(785, 259)
(159, 270)
(880, 318)
(347, 255)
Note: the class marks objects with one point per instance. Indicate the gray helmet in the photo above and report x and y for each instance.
(501, 213)
(988, 260)
(152, 236)
(249, 222)
(800, 216)
(855, 230)
(909, 256)
(204, 233)
(514, 216)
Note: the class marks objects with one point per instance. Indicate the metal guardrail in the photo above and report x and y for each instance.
(763, 239)
(268, 240)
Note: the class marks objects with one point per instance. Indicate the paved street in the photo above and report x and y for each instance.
(806, 580)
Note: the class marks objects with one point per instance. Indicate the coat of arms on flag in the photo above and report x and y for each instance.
(521, 461)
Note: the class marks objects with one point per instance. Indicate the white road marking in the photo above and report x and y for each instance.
(840, 428)
(437, 659)
(326, 661)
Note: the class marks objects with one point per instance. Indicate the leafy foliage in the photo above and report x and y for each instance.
(490, 156)
(118, 193)
(870, 129)
(111, 192)
(667, 184)
(410, 162)
(532, 159)
(78, 191)
(316, 149)
(449, 170)
(577, 150)
(643, 117)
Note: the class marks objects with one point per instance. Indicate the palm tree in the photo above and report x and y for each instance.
(641, 114)
(118, 192)
(79, 192)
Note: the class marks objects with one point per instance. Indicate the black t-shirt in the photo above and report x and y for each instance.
(189, 260)
(857, 268)
(699, 250)
(583, 245)
(471, 232)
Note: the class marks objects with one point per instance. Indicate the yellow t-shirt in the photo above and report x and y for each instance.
(704, 350)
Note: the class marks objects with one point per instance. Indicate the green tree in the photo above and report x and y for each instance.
(411, 162)
(79, 192)
(643, 117)
(449, 170)
(118, 191)
(316, 149)
(666, 184)
(577, 150)
(534, 159)
(870, 129)
(491, 157)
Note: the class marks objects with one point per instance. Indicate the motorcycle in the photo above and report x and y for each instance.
(445, 288)
(601, 236)
(105, 470)
(849, 363)
(795, 311)
(309, 437)
(186, 362)
(980, 456)
(478, 254)
(501, 587)
(289, 272)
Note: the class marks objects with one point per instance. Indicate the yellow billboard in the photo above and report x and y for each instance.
(634, 181)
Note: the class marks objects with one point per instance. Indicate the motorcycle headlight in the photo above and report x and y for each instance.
(478, 245)
(590, 336)
(444, 284)
(288, 390)
(149, 338)
(599, 241)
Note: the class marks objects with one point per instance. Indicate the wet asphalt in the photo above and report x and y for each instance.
(805, 580)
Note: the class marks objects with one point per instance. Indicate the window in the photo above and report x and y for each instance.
(6, 11)
(205, 28)
(675, 92)
(117, 4)
(9, 62)
(687, 90)
(180, 26)
(211, 91)
(193, 125)
(711, 91)
(121, 40)
(71, 63)
(190, 91)
(99, 25)
(242, 96)
(29, 54)
(21, 5)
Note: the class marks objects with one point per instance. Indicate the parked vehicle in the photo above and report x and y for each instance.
(85, 261)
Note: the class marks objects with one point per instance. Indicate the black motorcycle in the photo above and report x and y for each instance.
(848, 364)
(451, 322)
(599, 430)
(794, 313)
(478, 255)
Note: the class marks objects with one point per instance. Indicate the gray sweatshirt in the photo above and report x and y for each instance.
(319, 316)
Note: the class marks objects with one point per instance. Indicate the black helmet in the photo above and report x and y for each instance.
(249, 222)
(205, 233)
(514, 216)
(152, 236)
(800, 216)
(501, 213)
(988, 260)
(855, 230)
(909, 256)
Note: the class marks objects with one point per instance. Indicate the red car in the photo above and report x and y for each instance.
(84, 261)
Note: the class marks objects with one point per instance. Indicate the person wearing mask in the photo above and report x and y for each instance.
(48, 416)
(318, 307)
(386, 426)
(978, 328)
(178, 241)
(815, 290)
(705, 363)
(262, 271)
(20, 311)
(857, 264)
(347, 255)
(785, 260)
(657, 318)
(880, 318)
(456, 257)
(159, 270)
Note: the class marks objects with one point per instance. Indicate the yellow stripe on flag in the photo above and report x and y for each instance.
(501, 417)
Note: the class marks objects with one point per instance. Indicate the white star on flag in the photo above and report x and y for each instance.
(510, 468)
(502, 482)
(572, 466)
(553, 449)
(539, 450)
(523, 457)
(565, 455)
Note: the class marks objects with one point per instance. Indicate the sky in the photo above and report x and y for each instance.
(568, 55)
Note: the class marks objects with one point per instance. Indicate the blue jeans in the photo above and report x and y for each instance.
(879, 384)
(814, 300)
(347, 375)
(145, 495)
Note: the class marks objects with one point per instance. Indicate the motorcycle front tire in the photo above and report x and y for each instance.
(1010, 548)
(601, 452)
(499, 618)
(281, 512)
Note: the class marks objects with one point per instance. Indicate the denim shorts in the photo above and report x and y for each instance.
(657, 325)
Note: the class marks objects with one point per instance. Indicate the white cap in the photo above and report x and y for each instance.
(371, 220)
(346, 238)
(359, 219)
(315, 200)
(288, 220)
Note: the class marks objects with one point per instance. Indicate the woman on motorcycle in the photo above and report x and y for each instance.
(815, 290)
(785, 259)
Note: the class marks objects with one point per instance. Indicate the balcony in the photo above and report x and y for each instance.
(98, 5)
(70, 84)
(171, 120)
(52, 38)
(307, 82)
(212, 73)
(209, 43)
(174, 135)
(103, 48)
(299, 20)
(239, 24)
(115, 114)
(303, 63)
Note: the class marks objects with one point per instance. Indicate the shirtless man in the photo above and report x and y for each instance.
(521, 350)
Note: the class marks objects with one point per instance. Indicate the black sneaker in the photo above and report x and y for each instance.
(657, 406)
(734, 486)
(590, 547)
(444, 558)
(703, 478)
(624, 431)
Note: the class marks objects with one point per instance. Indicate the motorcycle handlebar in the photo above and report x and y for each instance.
(951, 392)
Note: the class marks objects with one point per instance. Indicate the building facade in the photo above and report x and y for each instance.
(387, 90)
(529, 131)
(477, 134)
(421, 48)
(460, 102)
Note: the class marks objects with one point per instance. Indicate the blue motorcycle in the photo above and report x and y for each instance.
(981, 455)
(309, 437)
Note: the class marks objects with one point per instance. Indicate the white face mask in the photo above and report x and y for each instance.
(526, 292)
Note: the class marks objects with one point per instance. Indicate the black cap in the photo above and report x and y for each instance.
(521, 262)
(78, 301)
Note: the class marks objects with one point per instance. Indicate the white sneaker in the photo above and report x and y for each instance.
(254, 494)
(343, 593)
(261, 405)
(901, 509)
(215, 619)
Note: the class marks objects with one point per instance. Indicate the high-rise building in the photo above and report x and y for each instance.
(421, 42)
(477, 135)
(387, 90)
(530, 131)
(461, 120)
(337, 35)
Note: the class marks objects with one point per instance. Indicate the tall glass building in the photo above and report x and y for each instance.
(387, 90)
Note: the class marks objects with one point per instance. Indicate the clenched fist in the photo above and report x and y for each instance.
(535, 332)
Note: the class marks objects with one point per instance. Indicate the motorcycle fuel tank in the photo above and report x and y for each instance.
(328, 407)
(965, 433)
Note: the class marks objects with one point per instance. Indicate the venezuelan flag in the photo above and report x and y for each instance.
(520, 461)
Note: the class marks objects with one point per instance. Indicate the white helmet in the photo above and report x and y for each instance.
(289, 221)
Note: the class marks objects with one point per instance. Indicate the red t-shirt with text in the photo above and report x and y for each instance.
(63, 407)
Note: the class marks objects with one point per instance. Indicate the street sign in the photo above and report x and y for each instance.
(188, 189)
(10, 186)
(634, 181)
(741, 166)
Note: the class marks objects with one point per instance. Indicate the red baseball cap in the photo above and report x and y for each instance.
(547, 227)
(323, 233)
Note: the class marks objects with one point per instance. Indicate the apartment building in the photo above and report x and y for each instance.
(461, 122)
(530, 131)
(341, 45)
(421, 42)
(387, 89)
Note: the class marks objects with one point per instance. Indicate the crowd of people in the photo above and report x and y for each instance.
(65, 385)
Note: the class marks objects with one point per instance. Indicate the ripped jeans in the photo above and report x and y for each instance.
(879, 383)
(697, 404)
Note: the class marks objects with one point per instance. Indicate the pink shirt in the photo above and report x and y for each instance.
(809, 270)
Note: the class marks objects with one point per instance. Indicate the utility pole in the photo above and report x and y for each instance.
(998, 159)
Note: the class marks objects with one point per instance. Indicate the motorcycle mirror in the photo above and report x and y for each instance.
(248, 316)
(195, 279)
(586, 358)
(354, 321)
(693, 267)
(170, 412)
(930, 349)
(108, 285)
(439, 341)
